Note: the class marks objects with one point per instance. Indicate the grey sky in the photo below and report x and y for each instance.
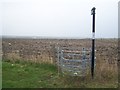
(59, 18)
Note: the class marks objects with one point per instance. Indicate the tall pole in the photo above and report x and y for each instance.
(93, 42)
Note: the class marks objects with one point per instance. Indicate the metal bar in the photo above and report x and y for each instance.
(74, 66)
(72, 54)
(74, 60)
(83, 60)
(61, 59)
(58, 51)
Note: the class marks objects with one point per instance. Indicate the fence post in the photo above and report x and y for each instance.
(93, 42)
(83, 61)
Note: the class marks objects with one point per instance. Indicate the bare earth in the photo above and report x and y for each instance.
(44, 50)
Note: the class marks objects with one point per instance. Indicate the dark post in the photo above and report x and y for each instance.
(93, 42)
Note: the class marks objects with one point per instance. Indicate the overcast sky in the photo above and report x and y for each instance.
(58, 18)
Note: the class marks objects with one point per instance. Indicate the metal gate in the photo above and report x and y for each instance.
(74, 61)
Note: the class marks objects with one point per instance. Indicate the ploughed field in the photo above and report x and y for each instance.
(45, 51)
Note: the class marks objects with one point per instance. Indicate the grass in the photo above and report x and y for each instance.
(27, 75)
(35, 75)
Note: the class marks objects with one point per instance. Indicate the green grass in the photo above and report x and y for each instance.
(28, 75)
(44, 75)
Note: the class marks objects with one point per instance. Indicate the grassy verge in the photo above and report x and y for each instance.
(44, 75)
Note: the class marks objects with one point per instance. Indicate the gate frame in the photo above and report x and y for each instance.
(83, 60)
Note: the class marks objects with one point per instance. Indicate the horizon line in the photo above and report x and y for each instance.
(49, 37)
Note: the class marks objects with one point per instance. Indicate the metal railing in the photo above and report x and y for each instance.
(74, 61)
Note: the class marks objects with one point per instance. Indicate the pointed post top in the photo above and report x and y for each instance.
(93, 8)
(93, 11)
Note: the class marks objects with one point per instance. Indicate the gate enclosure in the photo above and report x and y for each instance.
(74, 61)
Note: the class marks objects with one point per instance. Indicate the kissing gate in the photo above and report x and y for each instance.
(77, 61)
